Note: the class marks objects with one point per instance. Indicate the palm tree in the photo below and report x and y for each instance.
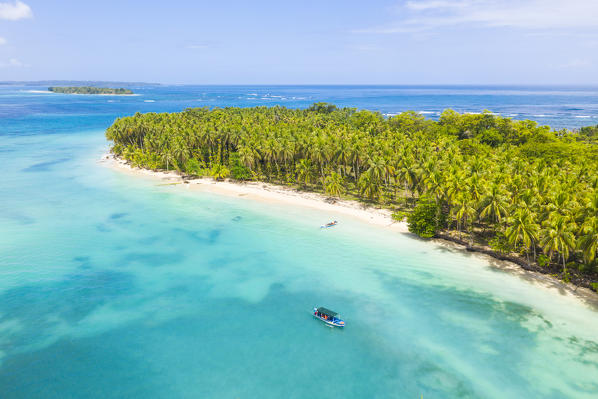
(220, 172)
(377, 168)
(523, 229)
(494, 204)
(434, 185)
(249, 155)
(180, 152)
(476, 186)
(465, 213)
(343, 156)
(407, 175)
(557, 237)
(588, 242)
(305, 172)
(334, 184)
(167, 157)
(369, 186)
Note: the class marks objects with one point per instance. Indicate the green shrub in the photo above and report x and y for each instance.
(238, 171)
(500, 243)
(566, 276)
(574, 266)
(399, 216)
(219, 172)
(426, 218)
(589, 268)
(543, 261)
(195, 167)
(117, 149)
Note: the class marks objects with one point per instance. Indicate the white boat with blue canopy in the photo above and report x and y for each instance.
(329, 317)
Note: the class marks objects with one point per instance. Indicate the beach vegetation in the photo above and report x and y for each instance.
(491, 180)
(588, 133)
(543, 260)
(426, 218)
(238, 171)
(399, 216)
(334, 185)
(501, 243)
(219, 172)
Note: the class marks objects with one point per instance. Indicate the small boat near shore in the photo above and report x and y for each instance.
(329, 317)
(327, 225)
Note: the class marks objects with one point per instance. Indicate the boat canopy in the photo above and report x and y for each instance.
(327, 312)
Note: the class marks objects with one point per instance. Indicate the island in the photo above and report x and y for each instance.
(512, 189)
(89, 90)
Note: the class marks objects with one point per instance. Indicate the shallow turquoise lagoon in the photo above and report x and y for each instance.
(114, 286)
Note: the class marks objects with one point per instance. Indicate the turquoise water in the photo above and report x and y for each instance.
(115, 286)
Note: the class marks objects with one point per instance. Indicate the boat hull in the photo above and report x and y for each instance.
(332, 323)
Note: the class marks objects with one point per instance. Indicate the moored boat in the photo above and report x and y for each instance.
(331, 224)
(329, 317)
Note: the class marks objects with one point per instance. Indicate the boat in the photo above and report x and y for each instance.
(331, 224)
(329, 317)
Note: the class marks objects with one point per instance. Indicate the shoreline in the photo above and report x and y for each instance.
(266, 192)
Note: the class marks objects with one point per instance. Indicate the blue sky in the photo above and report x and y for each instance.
(302, 42)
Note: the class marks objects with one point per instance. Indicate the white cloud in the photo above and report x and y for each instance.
(15, 11)
(13, 62)
(524, 14)
(2, 41)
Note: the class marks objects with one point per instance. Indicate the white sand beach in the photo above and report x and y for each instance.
(269, 193)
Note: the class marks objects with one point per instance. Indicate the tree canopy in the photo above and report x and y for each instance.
(488, 176)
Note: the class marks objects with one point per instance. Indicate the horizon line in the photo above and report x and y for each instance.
(39, 81)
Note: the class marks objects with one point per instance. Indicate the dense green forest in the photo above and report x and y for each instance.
(513, 185)
(88, 90)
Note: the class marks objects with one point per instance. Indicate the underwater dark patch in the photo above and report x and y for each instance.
(84, 262)
(102, 228)
(44, 166)
(153, 259)
(19, 218)
(71, 299)
(72, 367)
(210, 237)
(213, 235)
(224, 261)
(149, 240)
(116, 216)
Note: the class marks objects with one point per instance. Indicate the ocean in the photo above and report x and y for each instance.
(116, 286)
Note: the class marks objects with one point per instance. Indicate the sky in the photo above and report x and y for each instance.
(301, 42)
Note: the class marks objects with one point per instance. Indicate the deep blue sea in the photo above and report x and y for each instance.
(117, 286)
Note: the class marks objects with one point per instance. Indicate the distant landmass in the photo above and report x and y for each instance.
(94, 83)
(89, 90)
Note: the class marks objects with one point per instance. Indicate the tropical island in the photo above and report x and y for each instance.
(513, 189)
(89, 90)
